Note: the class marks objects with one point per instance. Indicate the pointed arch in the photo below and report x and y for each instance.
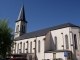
(18, 48)
(24, 48)
(66, 41)
(22, 28)
(31, 47)
(39, 43)
(75, 41)
(55, 38)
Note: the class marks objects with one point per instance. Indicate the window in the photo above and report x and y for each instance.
(75, 41)
(18, 48)
(24, 28)
(39, 46)
(17, 28)
(15, 47)
(24, 48)
(55, 38)
(30, 47)
(66, 41)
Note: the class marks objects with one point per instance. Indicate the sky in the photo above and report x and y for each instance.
(41, 14)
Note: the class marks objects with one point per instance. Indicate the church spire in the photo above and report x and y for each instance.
(21, 24)
(21, 16)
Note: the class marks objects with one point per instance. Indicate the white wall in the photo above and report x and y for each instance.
(47, 41)
(60, 55)
(75, 30)
(20, 23)
(49, 56)
(48, 44)
(39, 55)
(60, 38)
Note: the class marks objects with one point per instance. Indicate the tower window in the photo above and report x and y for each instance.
(22, 28)
(17, 28)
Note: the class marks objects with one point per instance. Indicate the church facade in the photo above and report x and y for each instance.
(57, 42)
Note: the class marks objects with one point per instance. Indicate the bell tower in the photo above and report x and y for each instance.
(20, 24)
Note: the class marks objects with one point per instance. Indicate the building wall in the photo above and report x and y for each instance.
(60, 37)
(75, 30)
(49, 56)
(57, 56)
(16, 24)
(60, 55)
(40, 55)
(20, 23)
(48, 43)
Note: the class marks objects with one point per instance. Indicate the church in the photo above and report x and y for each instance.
(59, 42)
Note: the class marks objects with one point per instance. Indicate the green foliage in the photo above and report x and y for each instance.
(5, 37)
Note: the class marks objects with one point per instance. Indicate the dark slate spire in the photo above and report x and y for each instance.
(21, 16)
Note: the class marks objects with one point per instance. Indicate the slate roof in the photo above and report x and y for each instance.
(44, 31)
(21, 16)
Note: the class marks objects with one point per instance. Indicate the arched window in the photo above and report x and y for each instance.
(22, 28)
(24, 48)
(17, 28)
(66, 41)
(30, 47)
(55, 38)
(18, 48)
(75, 41)
(39, 46)
(15, 47)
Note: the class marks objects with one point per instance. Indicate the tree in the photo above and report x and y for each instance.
(5, 37)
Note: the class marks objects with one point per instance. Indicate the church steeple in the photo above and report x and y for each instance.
(21, 23)
(22, 15)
